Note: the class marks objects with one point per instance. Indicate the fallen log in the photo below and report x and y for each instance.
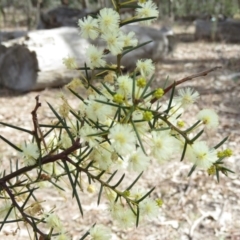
(54, 79)
(9, 35)
(61, 16)
(226, 30)
(18, 68)
(47, 49)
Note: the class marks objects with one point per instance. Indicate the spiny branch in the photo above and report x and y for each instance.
(46, 159)
(28, 219)
(201, 74)
(36, 125)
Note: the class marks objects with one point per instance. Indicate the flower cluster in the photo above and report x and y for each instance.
(107, 26)
(53, 222)
(123, 123)
(126, 124)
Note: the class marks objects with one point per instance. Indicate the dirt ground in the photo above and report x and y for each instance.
(195, 207)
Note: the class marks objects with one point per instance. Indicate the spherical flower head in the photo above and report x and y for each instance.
(158, 93)
(124, 84)
(118, 98)
(109, 78)
(200, 154)
(129, 39)
(122, 138)
(98, 111)
(148, 208)
(52, 142)
(141, 82)
(142, 128)
(138, 161)
(209, 118)
(65, 141)
(115, 43)
(70, 63)
(126, 193)
(101, 156)
(88, 134)
(64, 109)
(108, 20)
(147, 116)
(53, 221)
(74, 84)
(89, 27)
(212, 170)
(186, 97)
(163, 145)
(119, 164)
(137, 193)
(30, 153)
(124, 216)
(94, 57)
(228, 152)
(100, 232)
(147, 9)
(180, 123)
(110, 195)
(91, 188)
(36, 209)
(159, 202)
(220, 154)
(107, 90)
(176, 109)
(145, 67)
(115, 207)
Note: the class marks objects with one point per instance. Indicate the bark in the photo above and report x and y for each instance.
(44, 50)
(18, 68)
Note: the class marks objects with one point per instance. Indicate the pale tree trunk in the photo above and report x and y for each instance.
(38, 13)
(29, 14)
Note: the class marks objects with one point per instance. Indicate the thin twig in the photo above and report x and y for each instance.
(37, 128)
(20, 209)
(201, 74)
(46, 159)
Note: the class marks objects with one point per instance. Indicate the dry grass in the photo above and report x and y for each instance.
(194, 208)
